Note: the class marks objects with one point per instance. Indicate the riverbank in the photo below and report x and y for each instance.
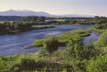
(21, 29)
(84, 49)
(15, 43)
(66, 59)
(65, 37)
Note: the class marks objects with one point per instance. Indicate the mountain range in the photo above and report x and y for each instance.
(34, 13)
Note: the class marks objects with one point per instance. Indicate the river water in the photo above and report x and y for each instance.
(14, 44)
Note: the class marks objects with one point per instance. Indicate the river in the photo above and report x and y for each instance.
(14, 44)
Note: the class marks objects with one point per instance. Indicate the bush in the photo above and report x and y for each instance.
(51, 45)
(7, 62)
(97, 65)
(102, 40)
(79, 51)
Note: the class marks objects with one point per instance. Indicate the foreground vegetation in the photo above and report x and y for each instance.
(63, 53)
(75, 57)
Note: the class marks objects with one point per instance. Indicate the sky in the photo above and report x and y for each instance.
(87, 7)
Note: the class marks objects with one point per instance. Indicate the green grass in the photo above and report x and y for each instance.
(65, 37)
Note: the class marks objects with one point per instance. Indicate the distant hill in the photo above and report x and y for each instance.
(34, 13)
(75, 15)
(23, 13)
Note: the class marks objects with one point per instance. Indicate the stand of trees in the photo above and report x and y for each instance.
(13, 27)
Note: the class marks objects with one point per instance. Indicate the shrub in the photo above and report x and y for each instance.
(51, 45)
(102, 40)
(97, 65)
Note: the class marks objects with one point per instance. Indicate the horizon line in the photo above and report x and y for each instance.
(51, 12)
